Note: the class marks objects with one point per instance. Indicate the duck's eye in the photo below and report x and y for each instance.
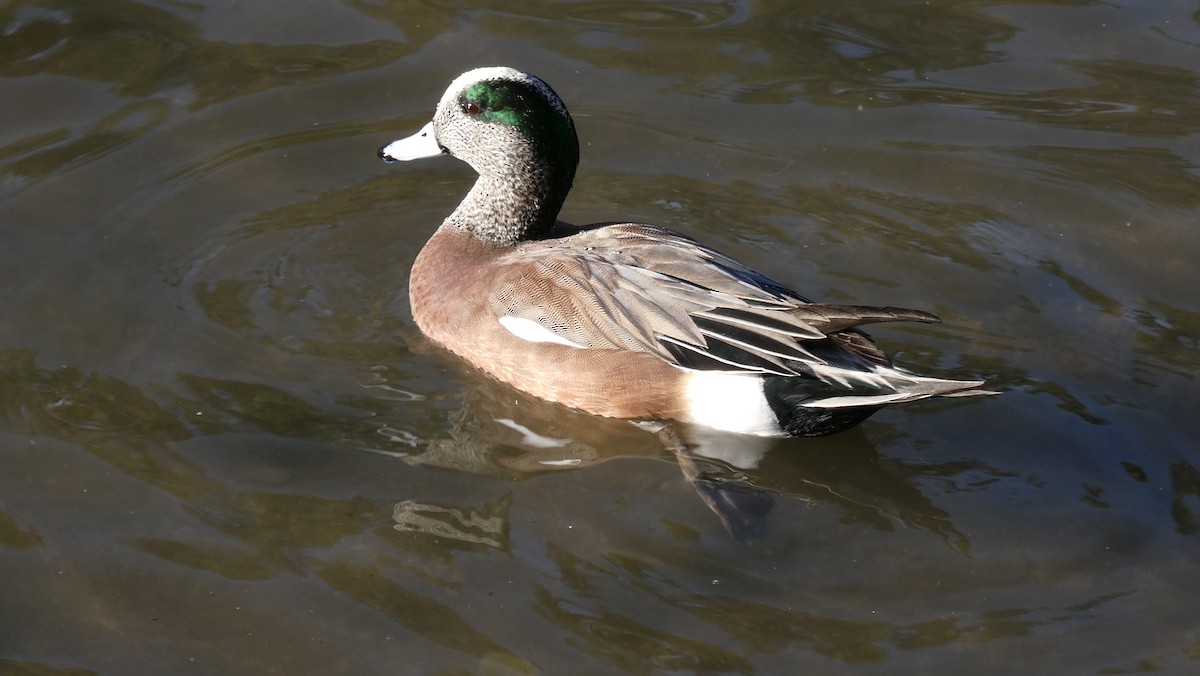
(471, 108)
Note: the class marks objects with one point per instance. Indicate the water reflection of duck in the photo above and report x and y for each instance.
(500, 434)
(625, 320)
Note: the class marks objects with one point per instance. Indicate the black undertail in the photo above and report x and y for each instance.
(787, 395)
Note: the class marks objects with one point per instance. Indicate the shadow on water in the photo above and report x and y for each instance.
(244, 534)
(497, 432)
(136, 430)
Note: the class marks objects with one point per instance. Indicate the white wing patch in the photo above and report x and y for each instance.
(527, 329)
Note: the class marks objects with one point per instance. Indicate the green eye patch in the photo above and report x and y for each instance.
(517, 104)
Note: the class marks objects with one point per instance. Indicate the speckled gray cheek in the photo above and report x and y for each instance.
(508, 195)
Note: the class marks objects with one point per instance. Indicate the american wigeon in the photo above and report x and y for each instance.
(624, 319)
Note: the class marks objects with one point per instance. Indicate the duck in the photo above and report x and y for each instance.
(621, 319)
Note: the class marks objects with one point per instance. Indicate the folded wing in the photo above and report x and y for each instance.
(642, 288)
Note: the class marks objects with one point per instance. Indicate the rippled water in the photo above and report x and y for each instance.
(224, 447)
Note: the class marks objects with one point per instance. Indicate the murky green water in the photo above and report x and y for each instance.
(225, 448)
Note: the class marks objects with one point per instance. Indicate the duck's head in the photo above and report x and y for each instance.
(490, 111)
(512, 129)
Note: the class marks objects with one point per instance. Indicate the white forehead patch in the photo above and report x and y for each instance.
(500, 73)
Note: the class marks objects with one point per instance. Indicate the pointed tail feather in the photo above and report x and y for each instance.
(911, 388)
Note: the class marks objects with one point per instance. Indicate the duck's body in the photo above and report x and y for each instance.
(625, 320)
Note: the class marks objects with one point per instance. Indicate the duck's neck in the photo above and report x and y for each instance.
(516, 199)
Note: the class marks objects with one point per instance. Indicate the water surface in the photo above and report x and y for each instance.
(225, 447)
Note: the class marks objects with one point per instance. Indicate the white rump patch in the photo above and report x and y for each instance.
(733, 402)
(527, 329)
